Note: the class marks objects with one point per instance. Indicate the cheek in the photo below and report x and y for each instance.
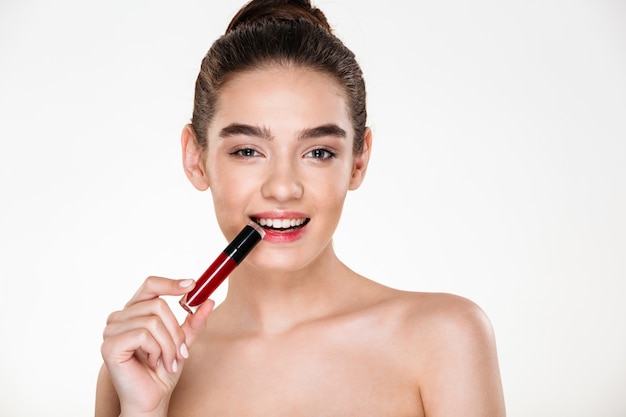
(229, 188)
(329, 188)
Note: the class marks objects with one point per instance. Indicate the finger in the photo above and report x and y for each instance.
(195, 323)
(158, 318)
(124, 348)
(154, 287)
(155, 307)
(148, 330)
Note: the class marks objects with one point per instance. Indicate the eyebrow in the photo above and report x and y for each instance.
(235, 129)
(323, 131)
(245, 130)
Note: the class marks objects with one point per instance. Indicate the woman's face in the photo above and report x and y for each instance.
(280, 153)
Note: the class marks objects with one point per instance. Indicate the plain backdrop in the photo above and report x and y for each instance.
(498, 173)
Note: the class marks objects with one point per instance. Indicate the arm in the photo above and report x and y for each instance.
(461, 371)
(107, 402)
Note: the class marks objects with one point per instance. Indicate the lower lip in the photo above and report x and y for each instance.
(276, 236)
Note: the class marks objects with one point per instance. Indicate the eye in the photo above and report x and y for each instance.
(320, 153)
(245, 153)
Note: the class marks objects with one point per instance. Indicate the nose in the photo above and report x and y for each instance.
(281, 182)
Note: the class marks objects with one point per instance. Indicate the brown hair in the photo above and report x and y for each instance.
(286, 32)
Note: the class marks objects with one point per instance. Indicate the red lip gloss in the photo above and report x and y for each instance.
(222, 266)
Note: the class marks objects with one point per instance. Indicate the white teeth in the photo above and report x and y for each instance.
(280, 223)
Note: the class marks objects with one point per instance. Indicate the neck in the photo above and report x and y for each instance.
(276, 301)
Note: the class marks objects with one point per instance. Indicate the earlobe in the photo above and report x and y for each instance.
(193, 162)
(361, 161)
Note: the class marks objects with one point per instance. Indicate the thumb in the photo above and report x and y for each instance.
(195, 323)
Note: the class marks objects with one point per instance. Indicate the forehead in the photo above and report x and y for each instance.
(276, 92)
(287, 71)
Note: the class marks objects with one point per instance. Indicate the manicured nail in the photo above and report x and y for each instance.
(175, 366)
(185, 283)
(184, 352)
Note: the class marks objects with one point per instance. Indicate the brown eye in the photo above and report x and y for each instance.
(246, 153)
(320, 153)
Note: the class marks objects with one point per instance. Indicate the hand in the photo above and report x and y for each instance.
(144, 347)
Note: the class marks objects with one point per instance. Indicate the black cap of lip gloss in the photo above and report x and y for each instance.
(244, 242)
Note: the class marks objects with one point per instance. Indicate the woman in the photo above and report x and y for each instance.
(279, 137)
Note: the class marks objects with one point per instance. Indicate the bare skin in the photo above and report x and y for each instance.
(382, 353)
(299, 333)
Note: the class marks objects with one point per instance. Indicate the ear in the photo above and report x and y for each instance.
(193, 161)
(361, 161)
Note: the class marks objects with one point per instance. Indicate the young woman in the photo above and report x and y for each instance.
(279, 136)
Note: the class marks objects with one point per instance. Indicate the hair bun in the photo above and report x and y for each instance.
(257, 10)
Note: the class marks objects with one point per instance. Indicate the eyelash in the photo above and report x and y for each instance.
(327, 154)
(245, 153)
(318, 153)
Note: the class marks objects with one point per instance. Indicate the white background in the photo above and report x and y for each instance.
(498, 173)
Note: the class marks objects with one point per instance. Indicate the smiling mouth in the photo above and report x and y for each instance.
(281, 225)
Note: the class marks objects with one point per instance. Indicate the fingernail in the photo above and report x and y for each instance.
(185, 283)
(184, 352)
(175, 366)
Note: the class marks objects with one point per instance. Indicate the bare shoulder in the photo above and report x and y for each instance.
(443, 313)
(447, 314)
(441, 324)
(449, 347)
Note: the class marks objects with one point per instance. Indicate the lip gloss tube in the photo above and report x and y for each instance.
(222, 266)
